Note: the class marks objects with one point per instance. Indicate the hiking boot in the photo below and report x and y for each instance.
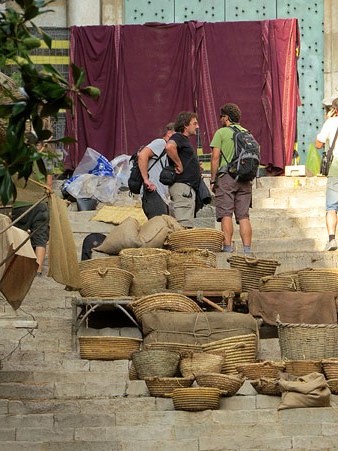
(331, 245)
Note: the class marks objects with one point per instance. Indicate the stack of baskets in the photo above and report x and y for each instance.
(263, 376)
(187, 258)
(149, 267)
(252, 270)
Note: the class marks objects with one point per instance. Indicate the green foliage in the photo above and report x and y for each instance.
(44, 93)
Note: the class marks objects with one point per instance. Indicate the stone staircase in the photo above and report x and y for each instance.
(50, 399)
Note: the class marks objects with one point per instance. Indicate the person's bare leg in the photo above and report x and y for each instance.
(227, 229)
(40, 253)
(331, 222)
(245, 231)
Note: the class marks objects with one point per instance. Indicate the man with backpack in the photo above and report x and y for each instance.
(151, 159)
(231, 176)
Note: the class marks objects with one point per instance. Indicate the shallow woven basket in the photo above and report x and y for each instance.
(180, 348)
(198, 238)
(105, 282)
(330, 368)
(318, 279)
(267, 386)
(277, 283)
(95, 263)
(333, 386)
(256, 370)
(195, 363)
(237, 350)
(196, 398)
(229, 384)
(303, 367)
(164, 301)
(187, 258)
(108, 348)
(155, 362)
(308, 341)
(149, 267)
(252, 270)
(161, 386)
(213, 279)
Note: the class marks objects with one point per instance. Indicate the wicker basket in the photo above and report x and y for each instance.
(132, 373)
(96, 263)
(161, 386)
(105, 282)
(237, 350)
(163, 301)
(195, 363)
(151, 363)
(333, 386)
(267, 386)
(187, 258)
(308, 341)
(277, 283)
(180, 348)
(229, 384)
(108, 348)
(252, 270)
(213, 279)
(330, 368)
(196, 238)
(318, 279)
(303, 367)
(256, 370)
(149, 267)
(196, 398)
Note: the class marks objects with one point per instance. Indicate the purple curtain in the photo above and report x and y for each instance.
(149, 73)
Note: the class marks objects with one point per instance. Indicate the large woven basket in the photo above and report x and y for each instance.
(96, 263)
(105, 282)
(267, 386)
(151, 363)
(318, 279)
(257, 370)
(333, 386)
(108, 348)
(174, 302)
(213, 279)
(308, 341)
(196, 398)
(198, 238)
(229, 384)
(187, 258)
(252, 270)
(330, 368)
(237, 350)
(195, 363)
(303, 367)
(149, 267)
(278, 283)
(180, 348)
(161, 386)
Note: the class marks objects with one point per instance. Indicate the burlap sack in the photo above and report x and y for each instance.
(125, 235)
(310, 390)
(195, 328)
(154, 232)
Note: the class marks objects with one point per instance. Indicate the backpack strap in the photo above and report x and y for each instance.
(157, 159)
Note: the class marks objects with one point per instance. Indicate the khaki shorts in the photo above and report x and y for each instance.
(232, 198)
(183, 199)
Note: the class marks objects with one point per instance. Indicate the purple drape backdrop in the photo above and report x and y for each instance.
(149, 73)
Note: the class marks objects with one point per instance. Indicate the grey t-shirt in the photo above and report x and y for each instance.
(157, 146)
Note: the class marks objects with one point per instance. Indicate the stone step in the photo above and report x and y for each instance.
(262, 428)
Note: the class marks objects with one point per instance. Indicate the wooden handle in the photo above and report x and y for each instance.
(212, 304)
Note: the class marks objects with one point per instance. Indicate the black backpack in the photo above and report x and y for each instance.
(244, 164)
(135, 180)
